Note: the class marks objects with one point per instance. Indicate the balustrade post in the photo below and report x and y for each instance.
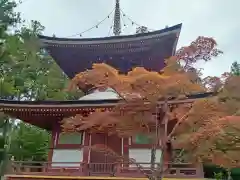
(18, 167)
(10, 167)
(165, 165)
(178, 174)
(85, 168)
(199, 170)
(61, 169)
(27, 169)
(44, 167)
(118, 168)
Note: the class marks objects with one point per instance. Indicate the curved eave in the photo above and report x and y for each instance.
(174, 29)
(59, 106)
(81, 104)
(46, 114)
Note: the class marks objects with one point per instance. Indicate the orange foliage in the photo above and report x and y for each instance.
(203, 48)
(212, 130)
(138, 83)
(216, 142)
(203, 124)
(122, 122)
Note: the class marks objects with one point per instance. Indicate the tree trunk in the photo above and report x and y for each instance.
(160, 168)
(153, 156)
(4, 156)
(157, 171)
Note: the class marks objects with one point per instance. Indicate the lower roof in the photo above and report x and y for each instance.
(53, 103)
(84, 103)
(46, 114)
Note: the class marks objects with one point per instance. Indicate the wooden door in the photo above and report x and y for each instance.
(97, 157)
(100, 162)
(114, 143)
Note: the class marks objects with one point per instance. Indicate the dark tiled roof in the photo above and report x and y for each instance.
(122, 52)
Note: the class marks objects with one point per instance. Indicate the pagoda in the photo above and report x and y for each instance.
(68, 159)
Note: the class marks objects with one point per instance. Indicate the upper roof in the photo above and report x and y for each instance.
(122, 52)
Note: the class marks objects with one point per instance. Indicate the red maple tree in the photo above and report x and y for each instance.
(202, 127)
(213, 125)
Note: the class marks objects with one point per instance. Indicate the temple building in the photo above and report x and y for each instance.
(68, 159)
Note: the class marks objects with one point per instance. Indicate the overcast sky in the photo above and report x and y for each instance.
(219, 19)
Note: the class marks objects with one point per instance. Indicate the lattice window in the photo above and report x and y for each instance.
(141, 139)
(70, 138)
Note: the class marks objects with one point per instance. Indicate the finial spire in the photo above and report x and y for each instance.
(117, 19)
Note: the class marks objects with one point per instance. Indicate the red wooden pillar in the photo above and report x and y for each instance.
(125, 150)
(52, 143)
(86, 143)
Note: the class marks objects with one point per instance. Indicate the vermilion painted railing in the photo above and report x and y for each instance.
(184, 170)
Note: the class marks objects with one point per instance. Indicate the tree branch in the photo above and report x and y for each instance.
(176, 125)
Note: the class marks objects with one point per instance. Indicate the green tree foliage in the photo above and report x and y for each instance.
(8, 17)
(2, 139)
(235, 68)
(23, 147)
(26, 73)
(4, 134)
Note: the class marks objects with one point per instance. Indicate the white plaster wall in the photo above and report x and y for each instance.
(72, 157)
(109, 93)
(144, 156)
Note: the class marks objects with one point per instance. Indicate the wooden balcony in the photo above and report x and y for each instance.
(31, 169)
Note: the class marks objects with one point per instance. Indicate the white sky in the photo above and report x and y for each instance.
(219, 19)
